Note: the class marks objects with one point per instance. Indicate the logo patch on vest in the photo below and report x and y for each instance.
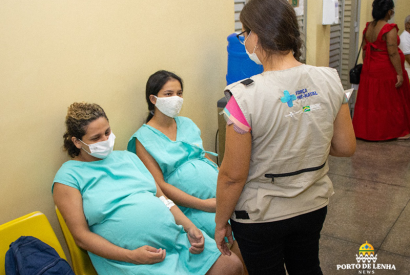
(315, 107)
(311, 107)
(299, 95)
(288, 98)
(293, 114)
(304, 93)
(305, 109)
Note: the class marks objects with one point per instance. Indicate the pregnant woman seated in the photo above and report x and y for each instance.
(171, 148)
(116, 211)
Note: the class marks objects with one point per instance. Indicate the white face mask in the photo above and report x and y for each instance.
(169, 106)
(101, 149)
(253, 55)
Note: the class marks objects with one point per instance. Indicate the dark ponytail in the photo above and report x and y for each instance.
(381, 8)
(150, 115)
(154, 85)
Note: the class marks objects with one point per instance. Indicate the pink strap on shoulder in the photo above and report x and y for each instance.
(234, 115)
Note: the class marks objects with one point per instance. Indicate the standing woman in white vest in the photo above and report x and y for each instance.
(282, 125)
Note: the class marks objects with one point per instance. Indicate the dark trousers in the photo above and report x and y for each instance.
(294, 242)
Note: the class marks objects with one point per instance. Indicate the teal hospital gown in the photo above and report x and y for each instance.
(183, 165)
(120, 205)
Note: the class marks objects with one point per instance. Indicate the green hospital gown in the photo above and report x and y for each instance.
(120, 205)
(183, 165)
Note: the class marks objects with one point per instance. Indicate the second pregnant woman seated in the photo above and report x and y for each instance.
(171, 148)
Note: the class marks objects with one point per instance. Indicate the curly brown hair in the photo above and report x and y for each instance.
(79, 115)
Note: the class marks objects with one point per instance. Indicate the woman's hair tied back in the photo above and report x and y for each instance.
(381, 8)
(275, 23)
(154, 84)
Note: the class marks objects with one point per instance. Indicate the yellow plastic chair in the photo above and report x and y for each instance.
(34, 224)
(81, 261)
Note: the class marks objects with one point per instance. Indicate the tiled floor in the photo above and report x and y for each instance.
(371, 203)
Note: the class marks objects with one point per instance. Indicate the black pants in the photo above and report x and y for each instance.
(294, 242)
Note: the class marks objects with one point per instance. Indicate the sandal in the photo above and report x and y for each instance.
(406, 137)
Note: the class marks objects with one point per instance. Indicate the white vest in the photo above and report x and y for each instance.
(290, 144)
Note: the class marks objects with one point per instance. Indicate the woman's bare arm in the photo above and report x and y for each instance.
(195, 236)
(392, 49)
(343, 143)
(231, 180)
(69, 202)
(407, 57)
(178, 196)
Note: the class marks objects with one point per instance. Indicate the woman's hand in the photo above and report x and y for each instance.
(196, 239)
(399, 81)
(147, 255)
(220, 234)
(209, 205)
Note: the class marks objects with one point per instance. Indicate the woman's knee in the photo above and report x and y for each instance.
(235, 249)
(227, 265)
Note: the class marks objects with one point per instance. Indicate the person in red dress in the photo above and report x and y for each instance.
(382, 110)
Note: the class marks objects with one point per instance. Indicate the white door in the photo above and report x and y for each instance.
(343, 40)
(336, 41)
(238, 7)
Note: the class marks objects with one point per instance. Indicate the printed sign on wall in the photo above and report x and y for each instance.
(294, 3)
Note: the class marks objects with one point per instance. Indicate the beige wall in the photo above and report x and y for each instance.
(401, 11)
(56, 52)
(317, 35)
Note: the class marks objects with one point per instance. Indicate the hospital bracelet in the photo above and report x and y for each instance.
(167, 202)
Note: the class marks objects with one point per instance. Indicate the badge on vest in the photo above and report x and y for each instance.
(288, 98)
(300, 94)
(311, 107)
(247, 82)
(304, 93)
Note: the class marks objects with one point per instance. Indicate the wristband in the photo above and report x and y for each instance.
(168, 203)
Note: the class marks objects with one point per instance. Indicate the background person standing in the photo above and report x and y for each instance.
(405, 43)
(282, 125)
(382, 109)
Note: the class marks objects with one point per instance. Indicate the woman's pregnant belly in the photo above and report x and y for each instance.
(136, 220)
(196, 178)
